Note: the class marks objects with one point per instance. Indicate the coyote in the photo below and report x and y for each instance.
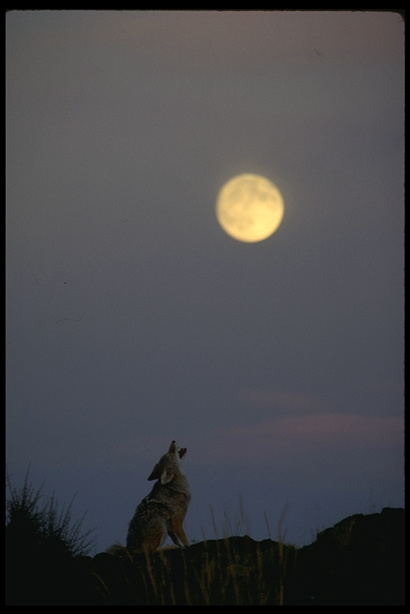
(162, 512)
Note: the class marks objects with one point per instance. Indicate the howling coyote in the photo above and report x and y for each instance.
(162, 512)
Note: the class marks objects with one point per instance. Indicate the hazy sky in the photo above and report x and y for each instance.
(133, 319)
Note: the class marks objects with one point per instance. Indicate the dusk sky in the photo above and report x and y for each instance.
(134, 319)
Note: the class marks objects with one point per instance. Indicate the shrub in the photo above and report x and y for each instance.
(33, 524)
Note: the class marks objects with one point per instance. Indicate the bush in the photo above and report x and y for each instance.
(30, 524)
(42, 548)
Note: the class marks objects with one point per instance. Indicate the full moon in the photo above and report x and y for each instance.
(249, 208)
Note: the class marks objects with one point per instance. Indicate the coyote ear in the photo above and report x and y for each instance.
(155, 473)
(167, 476)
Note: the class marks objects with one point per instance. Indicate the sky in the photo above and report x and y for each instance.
(133, 319)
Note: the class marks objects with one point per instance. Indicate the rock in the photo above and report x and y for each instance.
(359, 561)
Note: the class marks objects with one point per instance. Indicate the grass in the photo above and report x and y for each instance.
(46, 563)
(227, 570)
(38, 522)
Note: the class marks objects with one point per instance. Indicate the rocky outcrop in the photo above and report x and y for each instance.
(359, 561)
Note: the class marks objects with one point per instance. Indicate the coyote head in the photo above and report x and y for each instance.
(169, 465)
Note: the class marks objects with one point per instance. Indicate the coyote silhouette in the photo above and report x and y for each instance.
(162, 512)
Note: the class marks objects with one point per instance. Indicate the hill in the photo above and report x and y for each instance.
(359, 561)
